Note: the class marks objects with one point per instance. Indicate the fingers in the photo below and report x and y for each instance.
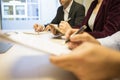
(83, 60)
(35, 26)
(51, 28)
(64, 23)
(72, 60)
(64, 26)
(78, 39)
(73, 45)
(83, 37)
(38, 28)
(47, 28)
(77, 53)
(69, 33)
(65, 61)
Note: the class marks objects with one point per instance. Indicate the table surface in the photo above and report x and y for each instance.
(21, 63)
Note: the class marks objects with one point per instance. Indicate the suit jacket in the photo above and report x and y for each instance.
(77, 14)
(107, 20)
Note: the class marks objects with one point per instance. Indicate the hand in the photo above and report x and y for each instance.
(90, 62)
(51, 28)
(64, 26)
(38, 28)
(70, 32)
(78, 39)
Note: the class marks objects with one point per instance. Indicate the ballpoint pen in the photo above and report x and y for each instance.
(77, 32)
(68, 19)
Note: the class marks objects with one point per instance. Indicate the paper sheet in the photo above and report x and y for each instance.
(42, 43)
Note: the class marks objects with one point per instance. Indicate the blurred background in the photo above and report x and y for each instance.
(22, 14)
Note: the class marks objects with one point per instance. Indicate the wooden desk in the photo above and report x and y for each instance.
(20, 63)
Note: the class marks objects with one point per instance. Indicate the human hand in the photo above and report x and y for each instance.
(70, 32)
(90, 62)
(38, 28)
(64, 26)
(51, 28)
(77, 39)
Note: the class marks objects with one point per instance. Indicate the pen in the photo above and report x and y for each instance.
(77, 32)
(68, 19)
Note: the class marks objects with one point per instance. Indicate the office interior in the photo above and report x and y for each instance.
(26, 63)
(30, 11)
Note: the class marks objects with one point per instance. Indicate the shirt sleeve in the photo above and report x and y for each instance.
(112, 41)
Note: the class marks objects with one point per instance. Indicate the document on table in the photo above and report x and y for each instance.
(41, 44)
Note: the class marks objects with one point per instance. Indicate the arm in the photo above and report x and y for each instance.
(59, 16)
(90, 62)
(78, 39)
(56, 20)
(112, 41)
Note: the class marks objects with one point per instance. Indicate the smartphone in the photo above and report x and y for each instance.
(55, 26)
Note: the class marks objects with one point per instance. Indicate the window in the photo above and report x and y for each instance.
(22, 14)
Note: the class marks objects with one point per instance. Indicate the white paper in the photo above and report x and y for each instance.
(42, 43)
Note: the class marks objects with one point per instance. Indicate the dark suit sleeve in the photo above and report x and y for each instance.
(80, 14)
(58, 16)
